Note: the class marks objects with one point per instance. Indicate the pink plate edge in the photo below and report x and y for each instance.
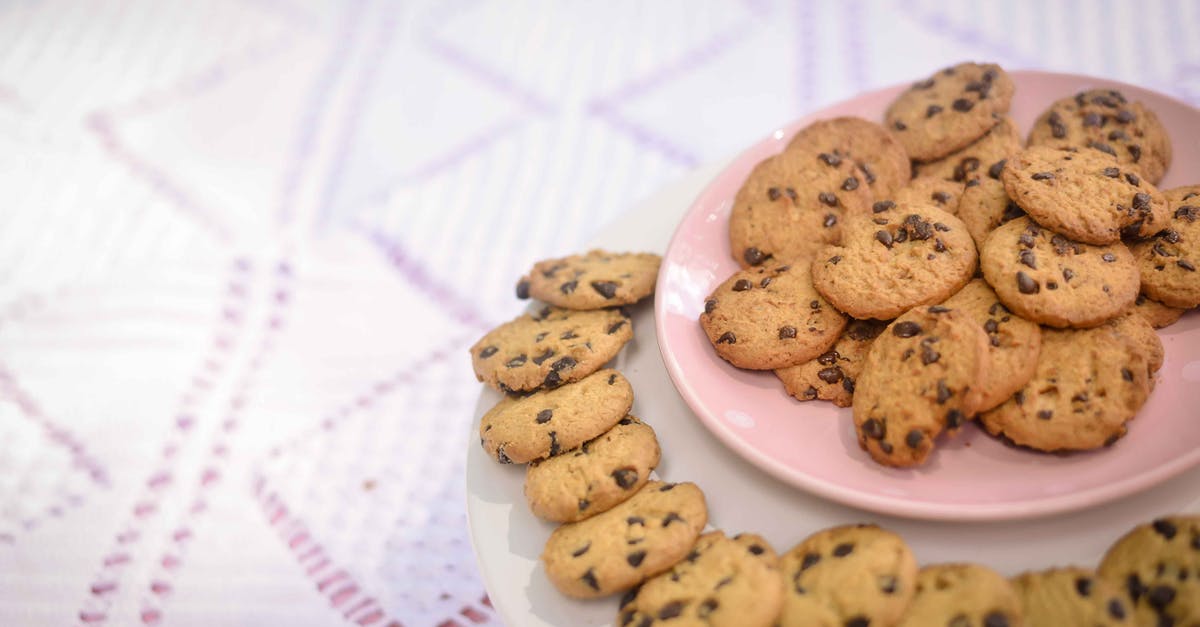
(1033, 508)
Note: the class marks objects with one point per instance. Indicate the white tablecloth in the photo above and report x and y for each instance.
(244, 245)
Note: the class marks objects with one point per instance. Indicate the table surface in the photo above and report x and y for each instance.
(245, 243)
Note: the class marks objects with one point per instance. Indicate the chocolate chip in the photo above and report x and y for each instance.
(1165, 528)
(1045, 414)
(1028, 258)
(580, 551)
(1042, 176)
(1116, 609)
(965, 168)
(568, 287)
(773, 194)
(940, 197)
(899, 126)
(1026, 240)
(906, 328)
(629, 596)
(1118, 135)
(635, 520)
(996, 168)
(537, 361)
(954, 418)
(830, 159)
(943, 392)
(667, 487)
(670, 610)
(753, 256)
(963, 105)
(1083, 586)
(858, 621)
(672, 517)
(590, 579)
(828, 199)
(710, 305)
(830, 220)
(1111, 172)
(835, 259)
(742, 285)
(501, 456)
(1068, 274)
(1027, 285)
(1186, 265)
(995, 619)
(830, 375)
(1135, 151)
(874, 429)
(625, 477)
(928, 355)
(635, 558)
(1093, 119)
(850, 184)
(607, 289)
(562, 364)
(810, 560)
(1160, 597)
(487, 351)
(544, 416)
(884, 237)
(1102, 147)
(937, 309)
(727, 338)
(886, 447)
(1109, 257)
(554, 446)
(810, 393)
(1126, 374)
(1125, 116)
(914, 438)
(523, 289)
(1057, 128)
(787, 333)
(517, 361)
(882, 205)
(707, 607)
(932, 111)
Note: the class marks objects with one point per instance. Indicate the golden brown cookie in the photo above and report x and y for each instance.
(876, 154)
(899, 256)
(549, 347)
(931, 190)
(1156, 564)
(985, 205)
(1169, 261)
(1052, 280)
(962, 594)
(1013, 342)
(1083, 195)
(523, 429)
(922, 376)
(1089, 383)
(618, 549)
(792, 204)
(831, 376)
(1071, 596)
(770, 317)
(723, 582)
(592, 281)
(1105, 120)
(852, 575)
(1157, 314)
(949, 110)
(974, 161)
(595, 477)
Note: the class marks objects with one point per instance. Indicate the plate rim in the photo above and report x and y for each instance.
(878, 503)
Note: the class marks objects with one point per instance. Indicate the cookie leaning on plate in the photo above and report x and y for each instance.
(1170, 261)
(549, 347)
(595, 280)
(618, 549)
(1105, 120)
(831, 376)
(849, 575)
(949, 110)
(595, 477)
(1156, 564)
(984, 206)
(921, 377)
(723, 582)
(770, 317)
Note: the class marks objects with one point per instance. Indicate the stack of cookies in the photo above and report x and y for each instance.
(933, 269)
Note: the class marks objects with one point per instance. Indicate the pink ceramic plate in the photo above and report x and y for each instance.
(812, 445)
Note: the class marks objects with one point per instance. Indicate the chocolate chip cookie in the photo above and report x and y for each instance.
(897, 257)
(594, 280)
(523, 429)
(1105, 120)
(1088, 384)
(1157, 314)
(962, 594)
(1071, 596)
(949, 110)
(595, 477)
(1048, 278)
(974, 161)
(1084, 195)
(831, 376)
(770, 317)
(1169, 260)
(792, 204)
(931, 190)
(984, 206)
(1013, 342)
(922, 376)
(850, 575)
(618, 549)
(549, 347)
(1157, 564)
(875, 153)
(723, 582)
